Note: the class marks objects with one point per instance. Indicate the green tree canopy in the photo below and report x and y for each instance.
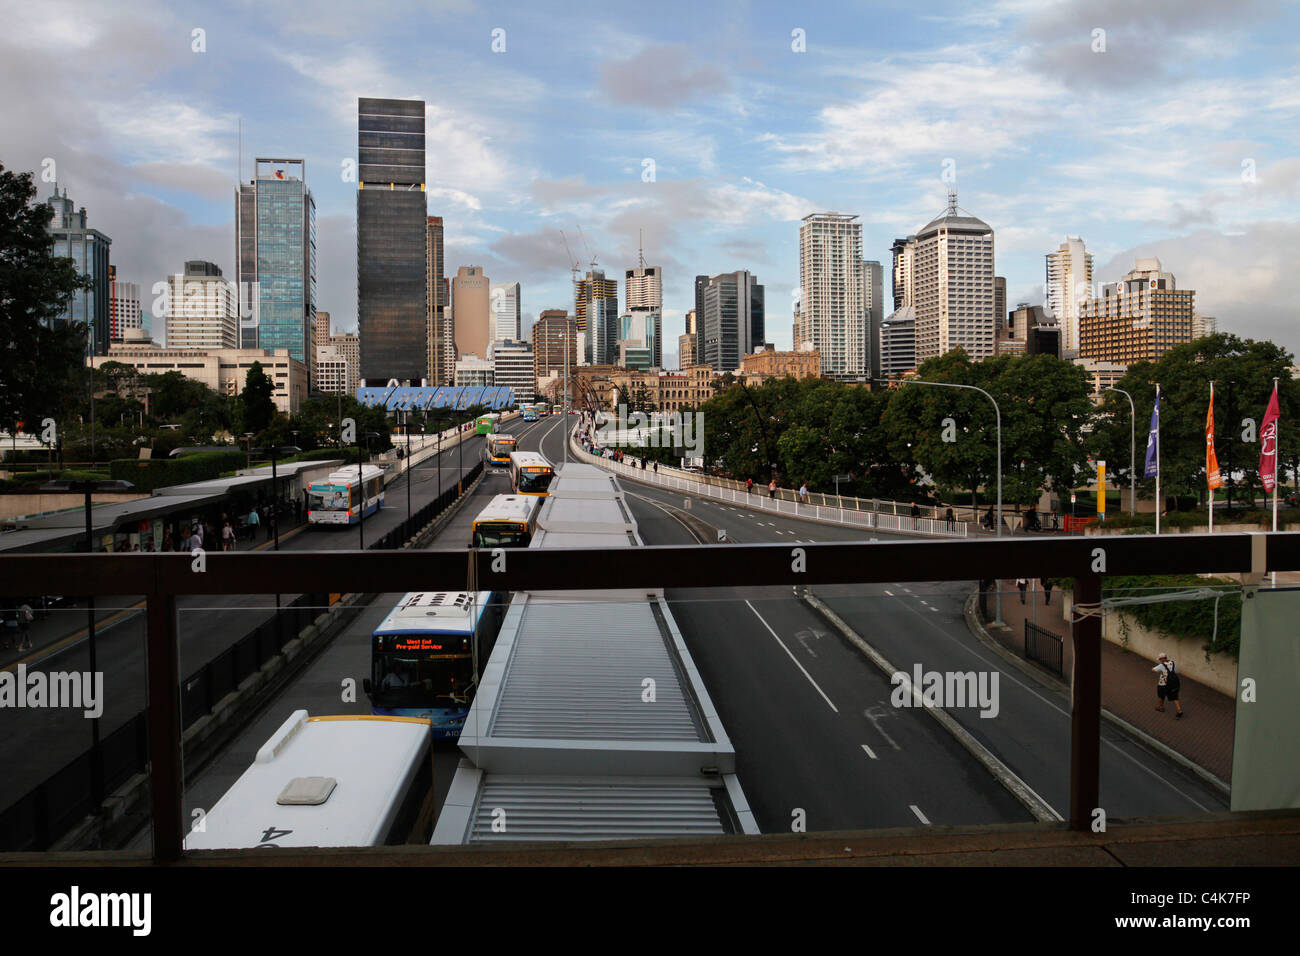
(259, 406)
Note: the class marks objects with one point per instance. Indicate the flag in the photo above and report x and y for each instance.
(1212, 476)
(1268, 444)
(1153, 441)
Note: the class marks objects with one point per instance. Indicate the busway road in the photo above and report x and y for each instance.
(813, 722)
(36, 743)
(320, 688)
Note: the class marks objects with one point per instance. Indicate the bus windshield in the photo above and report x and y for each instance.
(436, 679)
(327, 498)
(501, 534)
(534, 480)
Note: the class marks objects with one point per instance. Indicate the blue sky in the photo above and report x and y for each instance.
(1178, 139)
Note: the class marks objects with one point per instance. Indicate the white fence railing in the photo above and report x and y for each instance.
(758, 500)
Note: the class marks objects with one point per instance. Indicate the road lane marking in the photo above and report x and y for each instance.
(793, 658)
(870, 753)
(875, 722)
(889, 593)
(919, 815)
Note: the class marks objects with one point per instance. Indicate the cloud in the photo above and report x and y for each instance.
(660, 77)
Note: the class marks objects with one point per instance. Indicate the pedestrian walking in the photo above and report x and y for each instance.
(989, 519)
(1168, 684)
(196, 539)
(227, 537)
(916, 513)
(25, 618)
(749, 486)
(1022, 583)
(803, 492)
(771, 488)
(656, 468)
(1047, 589)
(950, 519)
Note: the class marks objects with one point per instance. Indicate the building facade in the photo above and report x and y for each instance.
(731, 319)
(898, 343)
(595, 307)
(686, 342)
(124, 307)
(555, 335)
(275, 258)
(222, 370)
(89, 251)
(440, 335)
(1138, 318)
(474, 372)
(953, 286)
(904, 253)
(513, 364)
(1069, 284)
(834, 298)
(769, 363)
(507, 320)
(202, 308)
(642, 328)
(392, 237)
(645, 289)
(471, 311)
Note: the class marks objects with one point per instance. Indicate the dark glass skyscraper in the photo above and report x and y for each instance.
(731, 318)
(88, 249)
(392, 286)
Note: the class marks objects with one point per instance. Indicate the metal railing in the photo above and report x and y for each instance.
(1044, 647)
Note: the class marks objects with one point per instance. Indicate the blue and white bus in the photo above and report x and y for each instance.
(529, 413)
(344, 495)
(427, 654)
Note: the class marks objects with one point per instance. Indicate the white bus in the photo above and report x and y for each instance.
(508, 521)
(530, 473)
(343, 496)
(328, 781)
(499, 447)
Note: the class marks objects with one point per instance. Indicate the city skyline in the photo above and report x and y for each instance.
(745, 136)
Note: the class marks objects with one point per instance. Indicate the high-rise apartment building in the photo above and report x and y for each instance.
(337, 358)
(441, 339)
(645, 288)
(904, 251)
(1069, 283)
(1203, 325)
(686, 342)
(1138, 318)
(507, 319)
(898, 343)
(202, 309)
(999, 301)
(595, 307)
(834, 298)
(275, 258)
(732, 319)
(471, 311)
(88, 250)
(555, 334)
(873, 292)
(954, 286)
(124, 307)
(392, 241)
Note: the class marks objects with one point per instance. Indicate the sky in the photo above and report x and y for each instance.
(1155, 127)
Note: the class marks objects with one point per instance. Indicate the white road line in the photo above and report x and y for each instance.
(907, 590)
(889, 593)
(870, 753)
(919, 815)
(793, 658)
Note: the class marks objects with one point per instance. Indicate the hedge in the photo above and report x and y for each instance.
(148, 474)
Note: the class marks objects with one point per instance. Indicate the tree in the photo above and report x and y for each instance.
(259, 406)
(39, 362)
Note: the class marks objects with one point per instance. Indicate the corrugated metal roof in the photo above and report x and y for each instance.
(521, 809)
(581, 675)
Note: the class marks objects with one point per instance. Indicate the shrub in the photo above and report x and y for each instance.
(149, 474)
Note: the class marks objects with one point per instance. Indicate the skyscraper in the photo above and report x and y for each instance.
(441, 336)
(904, 251)
(954, 287)
(835, 304)
(506, 317)
(88, 250)
(1069, 283)
(732, 321)
(275, 243)
(202, 309)
(595, 307)
(686, 342)
(873, 275)
(642, 328)
(392, 237)
(124, 307)
(1138, 318)
(471, 313)
(644, 287)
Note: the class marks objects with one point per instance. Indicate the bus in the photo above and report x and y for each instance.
(484, 424)
(426, 655)
(508, 521)
(530, 473)
(352, 780)
(529, 413)
(340, 498)
(499, 447)
(542, 408)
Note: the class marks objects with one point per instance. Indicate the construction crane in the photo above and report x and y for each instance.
(586, 245)
(577, 265)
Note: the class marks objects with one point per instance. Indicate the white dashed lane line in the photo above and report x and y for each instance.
(870, 752)
(919, 815)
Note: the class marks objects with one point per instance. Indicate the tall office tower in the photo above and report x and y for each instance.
(898, 343)
(441, 341)
(835, 305)
(1203, 325)
(202, 309)
(124, 307)
(642, 328)
(595, 307)
(999, 302)
(554, 335)
(954, 286)
(471, 318)
(686, 342)
(1140, 317)
(392, 241)
(732, 323)
(512, 365)
(1069, 283)
(644, 287)
(904, 251)
(88, 250)
(700, 283)
(275, 260)
(873, 275)
(507, 320)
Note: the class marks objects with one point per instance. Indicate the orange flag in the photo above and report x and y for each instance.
(1212, 477)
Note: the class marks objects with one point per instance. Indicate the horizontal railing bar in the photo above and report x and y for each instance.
(746, 565)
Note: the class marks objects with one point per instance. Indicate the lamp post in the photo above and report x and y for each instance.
(87, 488)
(406, 427)
(248, 448)
(1132, 447)
(997, 618)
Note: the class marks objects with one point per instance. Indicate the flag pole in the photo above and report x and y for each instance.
(1157, 457)
(1207, 476)
(1277, 454)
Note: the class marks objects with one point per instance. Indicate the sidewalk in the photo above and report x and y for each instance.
(1128, 685)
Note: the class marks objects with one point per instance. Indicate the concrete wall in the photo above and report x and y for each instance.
(11, 506)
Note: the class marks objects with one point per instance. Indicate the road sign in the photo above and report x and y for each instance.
(1073, 497)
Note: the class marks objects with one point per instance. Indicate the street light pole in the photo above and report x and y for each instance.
(361, 490)
(1132, 447)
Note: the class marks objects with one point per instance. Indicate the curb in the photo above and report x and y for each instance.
(1141, 737)
(1042, 811)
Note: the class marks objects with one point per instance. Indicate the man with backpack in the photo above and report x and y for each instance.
(1168, 684)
